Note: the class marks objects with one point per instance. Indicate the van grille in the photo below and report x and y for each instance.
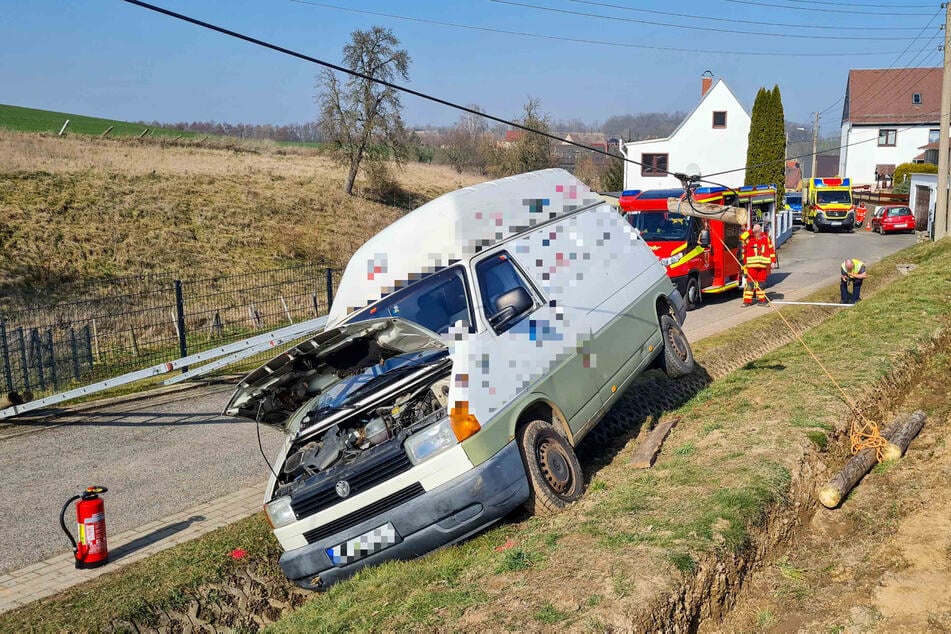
(377, 508)
(369, 473)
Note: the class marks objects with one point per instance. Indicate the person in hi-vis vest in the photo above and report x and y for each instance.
(853, 272)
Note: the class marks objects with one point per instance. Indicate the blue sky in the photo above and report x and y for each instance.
(111, 59)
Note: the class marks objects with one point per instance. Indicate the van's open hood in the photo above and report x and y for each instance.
(279, 388)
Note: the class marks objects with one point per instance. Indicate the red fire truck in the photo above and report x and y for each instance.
(692, 248)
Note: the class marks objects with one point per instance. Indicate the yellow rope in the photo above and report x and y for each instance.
(864, 436)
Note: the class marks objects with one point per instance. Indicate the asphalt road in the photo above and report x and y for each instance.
(157, 457)
(167, 454)
(807, 262)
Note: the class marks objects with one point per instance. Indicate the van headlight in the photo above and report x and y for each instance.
(428, 442)
(279, 511)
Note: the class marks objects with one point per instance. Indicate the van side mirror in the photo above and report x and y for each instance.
(510, 304)
(705, 238)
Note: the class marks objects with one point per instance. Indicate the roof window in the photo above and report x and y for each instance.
(916, 98)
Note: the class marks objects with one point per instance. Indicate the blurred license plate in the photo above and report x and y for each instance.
(835, 223)
(902, 226)
(361, 546)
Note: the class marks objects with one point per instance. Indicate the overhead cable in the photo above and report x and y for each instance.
(732, 20)
(707, 29)
(849, 11)
(381, 82)
(577, 40)
(894, 64)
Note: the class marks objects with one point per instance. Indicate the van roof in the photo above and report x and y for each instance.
(451, 228)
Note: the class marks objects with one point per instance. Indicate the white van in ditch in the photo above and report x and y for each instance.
(470, 346)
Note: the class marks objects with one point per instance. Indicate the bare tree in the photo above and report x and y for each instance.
(530, 151)
(361, 118)
(466, 143)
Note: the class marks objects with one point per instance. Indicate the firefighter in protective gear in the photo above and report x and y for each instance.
(759, 257)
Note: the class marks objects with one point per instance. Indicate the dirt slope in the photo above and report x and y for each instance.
(881, 562)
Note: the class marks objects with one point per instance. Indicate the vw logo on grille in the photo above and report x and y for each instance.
(343, 488)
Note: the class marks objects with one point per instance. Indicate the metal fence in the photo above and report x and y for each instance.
(112, 327)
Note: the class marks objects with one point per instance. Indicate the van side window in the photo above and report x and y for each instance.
(506, 298)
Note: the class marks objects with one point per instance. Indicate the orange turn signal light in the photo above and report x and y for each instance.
(464, 424)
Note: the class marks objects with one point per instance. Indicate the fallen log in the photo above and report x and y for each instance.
(835, 490)
(898, 443)
(723, 213)
(645, 453)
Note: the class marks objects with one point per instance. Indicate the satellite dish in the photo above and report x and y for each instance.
(693, 169)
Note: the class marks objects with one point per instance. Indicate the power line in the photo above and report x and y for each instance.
(693, 28)
(894, 63)
(286, 51)
(864, 4)
(906, 77)
(837, 28)
(849, 11)
(381, 82)
(581, 40)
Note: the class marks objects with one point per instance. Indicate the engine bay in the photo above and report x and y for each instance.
(391, 419)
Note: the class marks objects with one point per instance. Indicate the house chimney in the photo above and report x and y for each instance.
(706, 81)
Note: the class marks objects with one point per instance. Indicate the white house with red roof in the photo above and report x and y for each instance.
(888, 116)
(712, 138)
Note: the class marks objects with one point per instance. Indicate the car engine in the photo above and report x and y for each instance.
(346, 442)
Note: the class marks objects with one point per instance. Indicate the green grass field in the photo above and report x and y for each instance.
(32, 120)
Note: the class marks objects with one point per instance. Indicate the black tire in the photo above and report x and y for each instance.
(554, 473)
(678, 356)
(692, 295)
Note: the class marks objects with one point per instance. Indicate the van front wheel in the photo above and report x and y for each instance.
(553, 470)
(678, 356)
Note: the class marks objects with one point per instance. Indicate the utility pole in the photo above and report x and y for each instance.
(941, 200)
(815, 141)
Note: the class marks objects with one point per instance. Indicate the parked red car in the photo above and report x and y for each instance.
(888, 219)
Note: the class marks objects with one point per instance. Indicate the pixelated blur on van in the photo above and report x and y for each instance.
(471, 345)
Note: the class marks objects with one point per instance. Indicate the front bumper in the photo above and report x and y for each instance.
(451, 512)
(846, 223)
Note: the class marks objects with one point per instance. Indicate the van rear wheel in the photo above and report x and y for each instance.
(553, 470)
(678, 356)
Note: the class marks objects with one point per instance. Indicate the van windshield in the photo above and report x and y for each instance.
(835, 197)
(794, 199)
(659, 226)
(435, 302)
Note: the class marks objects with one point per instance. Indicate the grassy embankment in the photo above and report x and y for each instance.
(80, 208)
(634, 537)
(33, 120)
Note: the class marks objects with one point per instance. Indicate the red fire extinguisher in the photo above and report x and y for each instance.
(91, 550)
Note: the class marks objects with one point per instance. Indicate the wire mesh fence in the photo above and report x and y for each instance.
(116, 326)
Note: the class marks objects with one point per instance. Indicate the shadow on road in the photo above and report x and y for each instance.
(155, 536)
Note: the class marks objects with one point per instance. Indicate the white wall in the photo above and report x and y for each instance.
(696, 146)
(863, 153)
(925, 180)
